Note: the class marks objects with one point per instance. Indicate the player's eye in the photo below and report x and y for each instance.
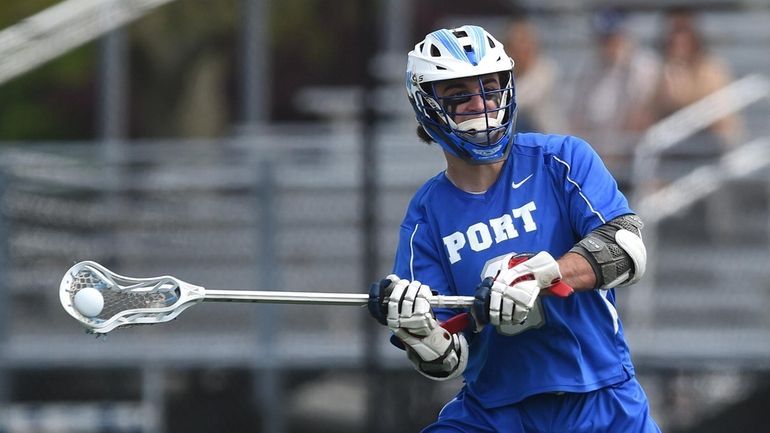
(494, 95)
(457, 98)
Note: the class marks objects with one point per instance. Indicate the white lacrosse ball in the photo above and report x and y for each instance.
(89, 302)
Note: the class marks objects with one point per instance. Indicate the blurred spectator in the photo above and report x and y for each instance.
(535, 76)
(612, 95)
(690, 73)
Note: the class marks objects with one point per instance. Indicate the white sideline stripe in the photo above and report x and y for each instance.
(611, 308)
(411, 252)
(580, 190)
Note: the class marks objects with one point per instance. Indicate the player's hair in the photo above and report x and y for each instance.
(423, 135)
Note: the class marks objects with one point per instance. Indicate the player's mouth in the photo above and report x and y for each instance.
(480, 130)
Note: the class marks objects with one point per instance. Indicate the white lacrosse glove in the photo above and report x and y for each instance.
(515, 289)
(435, 352)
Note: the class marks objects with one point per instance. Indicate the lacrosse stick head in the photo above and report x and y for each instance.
(127, 301)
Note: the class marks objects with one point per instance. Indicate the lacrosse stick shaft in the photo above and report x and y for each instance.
(319, 298)
(103, 300)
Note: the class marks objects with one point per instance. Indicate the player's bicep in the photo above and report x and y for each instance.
(591, 193)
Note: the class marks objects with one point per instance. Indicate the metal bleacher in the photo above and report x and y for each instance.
(237, 213)
(200, 218)
(707, 224)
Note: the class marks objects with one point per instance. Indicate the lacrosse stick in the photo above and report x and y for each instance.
(125, 301)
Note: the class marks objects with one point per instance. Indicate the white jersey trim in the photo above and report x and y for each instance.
(611, 308)
(580, 191)
(411, 252)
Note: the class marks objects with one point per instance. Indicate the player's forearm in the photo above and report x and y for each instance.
(577, 272)
(615, 251)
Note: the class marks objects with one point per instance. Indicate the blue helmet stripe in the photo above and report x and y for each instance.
(450, 42)
(479, 42)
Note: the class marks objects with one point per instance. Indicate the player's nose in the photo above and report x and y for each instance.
(476, 104)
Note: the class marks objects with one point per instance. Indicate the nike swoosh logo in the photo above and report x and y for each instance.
(516, 185)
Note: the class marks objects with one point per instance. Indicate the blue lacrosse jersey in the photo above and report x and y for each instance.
(553, 190)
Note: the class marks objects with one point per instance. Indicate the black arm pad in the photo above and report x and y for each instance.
(610, 262)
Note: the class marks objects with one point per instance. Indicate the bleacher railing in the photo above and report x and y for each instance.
(686, 122)
(62, 27)
(658, 202)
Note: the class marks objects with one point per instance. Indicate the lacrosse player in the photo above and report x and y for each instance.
(511, 216)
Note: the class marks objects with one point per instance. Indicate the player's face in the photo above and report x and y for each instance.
(463, 98)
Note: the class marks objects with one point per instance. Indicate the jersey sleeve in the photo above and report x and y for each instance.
(591, 193)
(417, 258)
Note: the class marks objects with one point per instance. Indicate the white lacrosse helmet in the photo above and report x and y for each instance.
(448, 54)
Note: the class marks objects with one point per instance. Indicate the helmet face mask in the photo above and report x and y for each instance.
(477, 65)
(483, 126)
